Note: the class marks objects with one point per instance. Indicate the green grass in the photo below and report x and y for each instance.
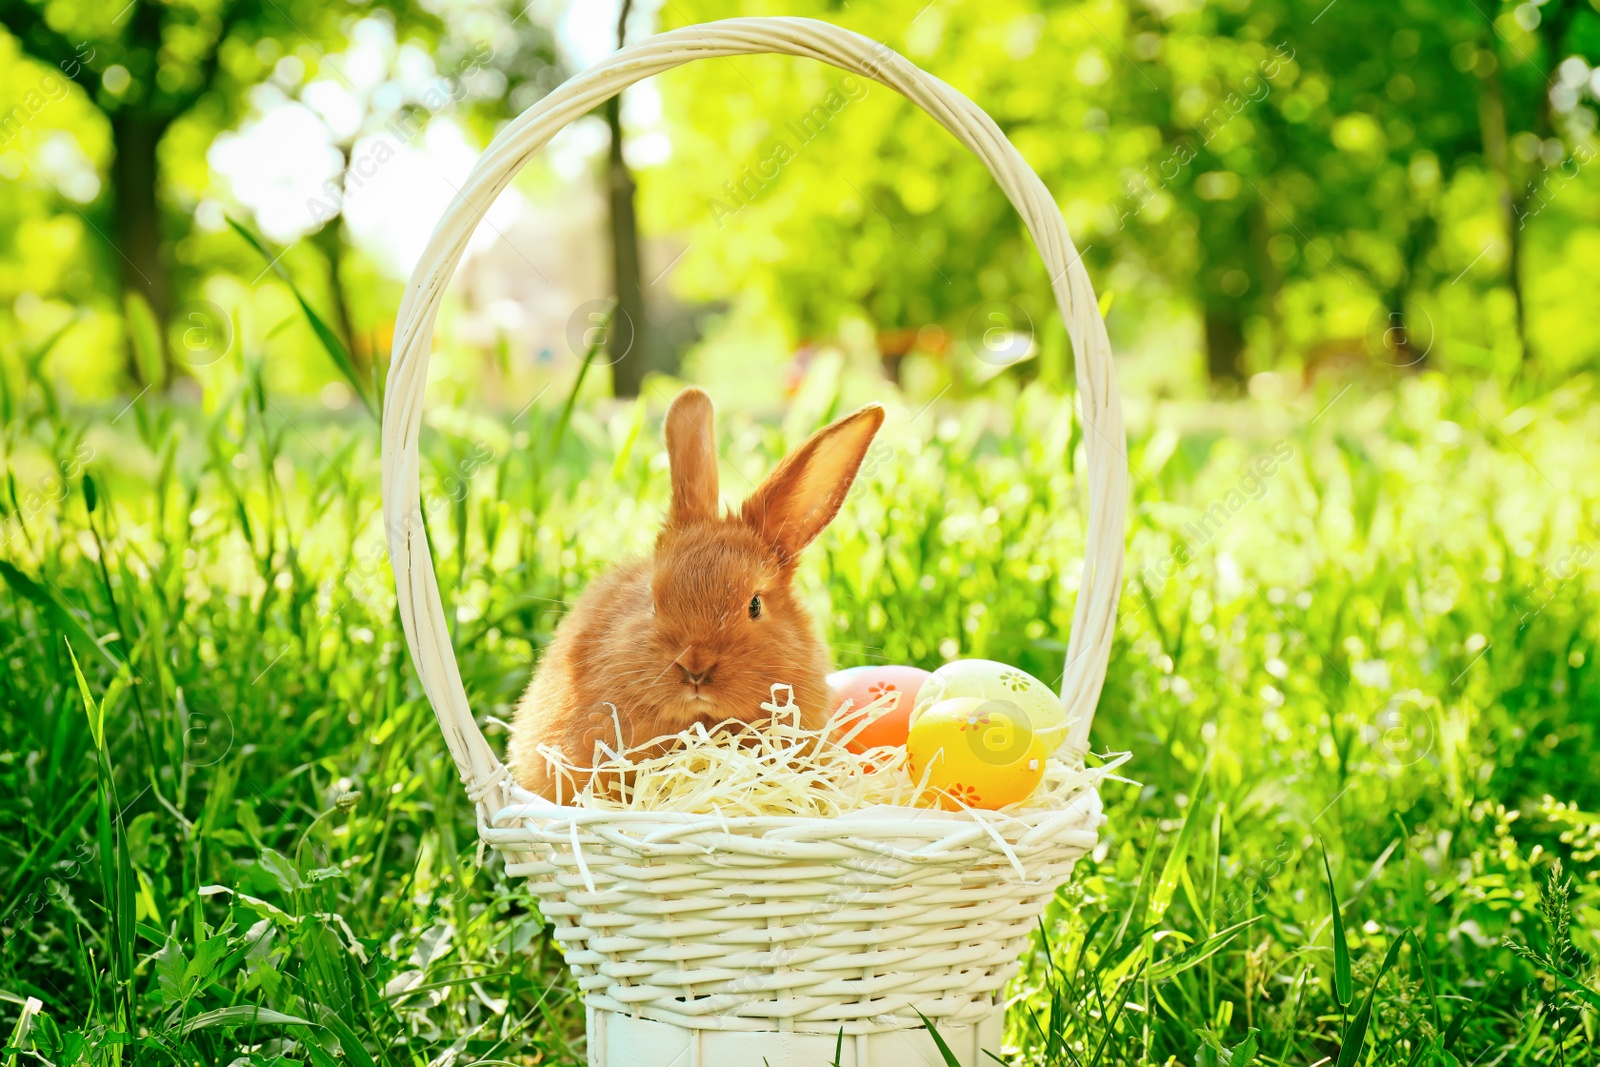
(239, 839)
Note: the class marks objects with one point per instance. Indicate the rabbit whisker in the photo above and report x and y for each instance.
(673, 664)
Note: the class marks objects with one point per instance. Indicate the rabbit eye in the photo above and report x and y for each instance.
(755, 606)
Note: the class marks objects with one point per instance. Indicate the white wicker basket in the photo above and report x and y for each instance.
(707, 941)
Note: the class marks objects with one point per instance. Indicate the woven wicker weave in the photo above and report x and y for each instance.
(772, 924)
(812, 924)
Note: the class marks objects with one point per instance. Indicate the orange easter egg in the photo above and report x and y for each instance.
(862, 685)
(975, 753)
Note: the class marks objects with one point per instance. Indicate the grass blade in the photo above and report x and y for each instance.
(1355, 1036)
(1587, 995)
(146, 338)
(95, 710)
(1458, 1024)
(1341, 951)
(55, 608)
(949, 1057)
(51, 844)
(243, 1015)
(117, 882)
(620, 464)
(1167, 884)
(571, 402)
(1199, 952)
(330, 340)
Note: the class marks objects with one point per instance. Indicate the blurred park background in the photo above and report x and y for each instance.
(1347, 253)
(1269, 191)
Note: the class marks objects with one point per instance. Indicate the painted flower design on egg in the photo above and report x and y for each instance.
(893, 688)
(965, 794)
(1015, 681)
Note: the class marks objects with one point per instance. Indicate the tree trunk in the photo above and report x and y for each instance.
(1493, 131)
(1398, 343)
(136, 224)
(1268, 278)
(1417, 328)
(1224, 345)
(625, 340)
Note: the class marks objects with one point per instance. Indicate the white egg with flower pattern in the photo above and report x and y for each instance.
(985, 679)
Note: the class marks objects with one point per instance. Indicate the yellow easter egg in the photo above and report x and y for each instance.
(986, 679)
(975, 753)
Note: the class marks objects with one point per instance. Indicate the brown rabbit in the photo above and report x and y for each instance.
(701, 631)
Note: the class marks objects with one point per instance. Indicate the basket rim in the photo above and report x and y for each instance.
(879, 820)
(887, 826)
(423, 615)
(926, 838)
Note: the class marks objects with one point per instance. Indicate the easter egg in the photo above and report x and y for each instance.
(862, 685)
(975, 753)
(985, 679)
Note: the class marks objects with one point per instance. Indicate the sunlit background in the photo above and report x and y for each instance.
(1265, 193)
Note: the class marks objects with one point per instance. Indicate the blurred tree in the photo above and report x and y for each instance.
(1368, 125)
(1148, 125)
(145, 66)
(1239, 152)
(1400, 126)
(490, 65)
(1368, 115)
(1202, 209)
(1532, 63)
(887, 216)
(629, 329)
(1414, 96)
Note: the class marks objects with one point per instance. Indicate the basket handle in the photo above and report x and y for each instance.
(421, 611)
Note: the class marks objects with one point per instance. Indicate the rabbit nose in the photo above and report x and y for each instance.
(697, 678)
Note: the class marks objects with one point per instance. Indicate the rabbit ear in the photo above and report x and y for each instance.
(691, 448)
(804, 494)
